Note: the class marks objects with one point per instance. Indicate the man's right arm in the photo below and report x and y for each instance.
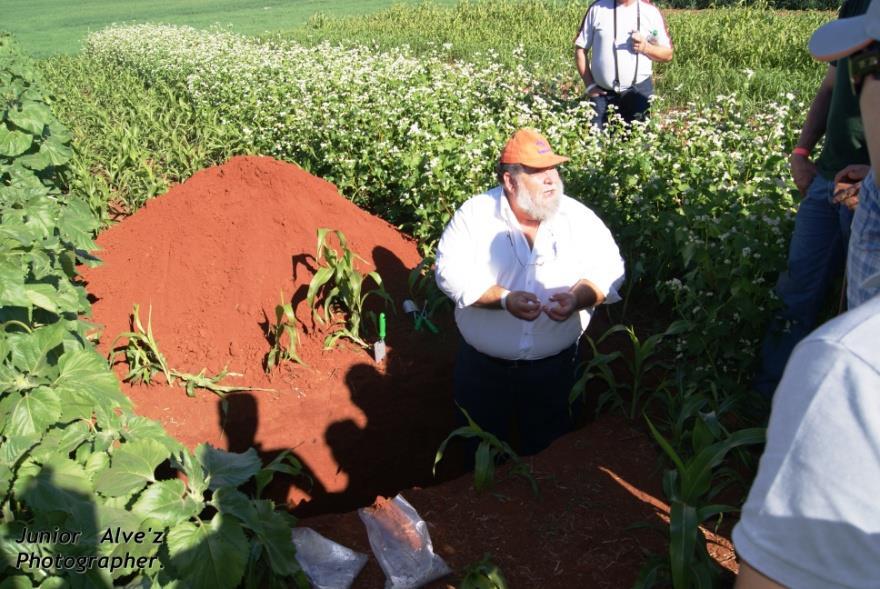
(803, 170)
(583, 68)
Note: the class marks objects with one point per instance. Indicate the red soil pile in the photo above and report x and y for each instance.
(211, 258)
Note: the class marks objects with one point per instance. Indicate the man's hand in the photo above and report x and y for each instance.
(596, 91)
(638, 42)
(847, 183)
(566, 304)
(523, 305)
(802, 172)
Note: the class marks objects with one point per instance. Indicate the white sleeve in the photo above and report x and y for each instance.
(602, 264)
(812, 518)
(584, 38)
(660, 31)
(456, 272)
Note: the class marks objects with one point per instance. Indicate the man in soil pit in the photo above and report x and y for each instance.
(525, 266)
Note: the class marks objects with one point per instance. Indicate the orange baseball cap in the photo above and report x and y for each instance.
(530, 148)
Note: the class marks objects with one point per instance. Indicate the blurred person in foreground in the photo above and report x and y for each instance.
(525, 266)
(812, 518)
(818, 247)
(624, 38)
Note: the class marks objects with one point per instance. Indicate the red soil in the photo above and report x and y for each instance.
(210, 258)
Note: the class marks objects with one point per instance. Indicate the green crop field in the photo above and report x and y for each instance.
(50, 27)
(404, 108)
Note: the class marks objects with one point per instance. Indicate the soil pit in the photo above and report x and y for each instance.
(211, 257)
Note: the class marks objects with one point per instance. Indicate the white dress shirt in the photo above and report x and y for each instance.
(483, 246)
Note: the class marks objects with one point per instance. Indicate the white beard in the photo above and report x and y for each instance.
(535, 205)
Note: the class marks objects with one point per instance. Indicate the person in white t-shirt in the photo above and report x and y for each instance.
(624, 37)
(525, 265)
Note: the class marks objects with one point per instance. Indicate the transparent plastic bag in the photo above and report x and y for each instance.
(402, 545)
(328, 565)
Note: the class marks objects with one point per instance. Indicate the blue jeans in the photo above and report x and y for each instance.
(524, 403)
(815, 260)
(632, 104)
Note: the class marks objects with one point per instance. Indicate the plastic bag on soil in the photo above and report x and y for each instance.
(400, 540)
(328, 565)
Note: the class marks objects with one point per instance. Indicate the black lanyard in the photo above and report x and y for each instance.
(616, 86)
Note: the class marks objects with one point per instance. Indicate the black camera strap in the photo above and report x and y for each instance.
(616, 86)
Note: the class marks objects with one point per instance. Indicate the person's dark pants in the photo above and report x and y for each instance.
(816, 259)
(632, 104)
(524, 403)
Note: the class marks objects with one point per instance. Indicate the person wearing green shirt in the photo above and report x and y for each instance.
(818, 246)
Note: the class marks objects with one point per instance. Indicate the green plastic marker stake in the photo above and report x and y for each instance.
(379, 346)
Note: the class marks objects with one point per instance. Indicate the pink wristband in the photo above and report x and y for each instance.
(802, 151)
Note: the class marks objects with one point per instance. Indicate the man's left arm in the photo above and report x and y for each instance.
(657, 46)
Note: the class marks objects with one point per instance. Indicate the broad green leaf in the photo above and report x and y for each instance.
(233, 502)
(192, 467)
(57, 153)
(96, 463)
(32, 117)
(13, 143)
(34, 412)
(138, 428)
(61, 441)
(273, 530)
(77, 223)
(5, 479)
(30, 350)
(227, 469)
(86, 370)
(209, 556)
(17, 582)
(60, 485)
(131, 467)
(13, 449)
(43, 296)
(36, 161)
(168, 502)
(682, 541)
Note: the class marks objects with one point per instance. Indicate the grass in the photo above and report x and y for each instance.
(51, 27)
(756, 52)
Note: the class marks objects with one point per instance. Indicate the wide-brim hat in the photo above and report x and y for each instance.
(845, 36)
(529, 148)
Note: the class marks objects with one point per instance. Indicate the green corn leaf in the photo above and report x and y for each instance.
(209, 556)
(697, 477)
(168, 503)
(131, 467)
(673, 456)
(464, 432)
(484, 467)
(683, 533)
(14, 143)
(227, 469)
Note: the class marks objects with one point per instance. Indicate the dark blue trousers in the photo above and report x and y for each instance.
(632, 104)
(524, 403)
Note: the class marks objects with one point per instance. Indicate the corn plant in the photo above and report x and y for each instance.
(145, 360)
(285, 325)
(142, 352)
(340, 288)
(484, 574)
(599, 366)
(490, 452)
(423, 287)
(689, 488)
